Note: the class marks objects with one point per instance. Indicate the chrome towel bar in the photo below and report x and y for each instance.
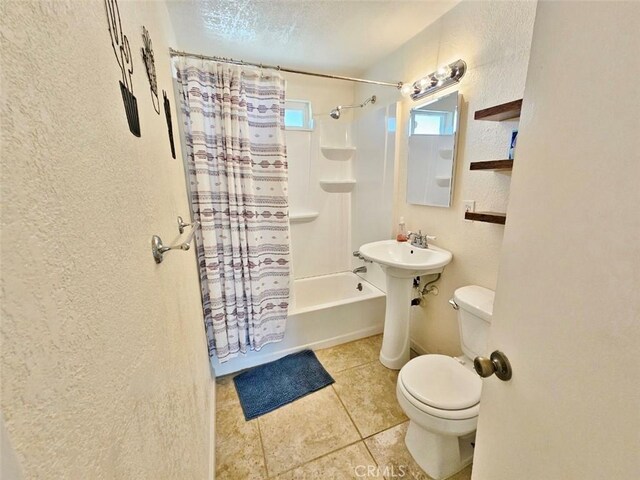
(182, 224)
(158, 249)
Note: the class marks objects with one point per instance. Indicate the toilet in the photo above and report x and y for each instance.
(441, 394)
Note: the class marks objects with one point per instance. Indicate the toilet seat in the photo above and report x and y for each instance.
(441, 386)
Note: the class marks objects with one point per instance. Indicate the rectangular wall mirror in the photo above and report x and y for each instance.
(433, 128)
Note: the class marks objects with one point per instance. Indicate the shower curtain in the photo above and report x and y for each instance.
(233, 122)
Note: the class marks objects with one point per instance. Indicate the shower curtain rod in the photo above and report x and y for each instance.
(178, 53)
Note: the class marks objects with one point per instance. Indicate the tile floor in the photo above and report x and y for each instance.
(352, 429)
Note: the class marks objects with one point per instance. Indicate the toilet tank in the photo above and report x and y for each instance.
(475, 309)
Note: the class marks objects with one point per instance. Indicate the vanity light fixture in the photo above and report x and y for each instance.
(442, 78)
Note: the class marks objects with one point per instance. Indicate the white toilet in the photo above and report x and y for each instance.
(441, 395)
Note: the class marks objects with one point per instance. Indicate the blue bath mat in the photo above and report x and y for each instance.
(267, 387)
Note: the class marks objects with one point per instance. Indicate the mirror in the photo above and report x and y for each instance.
(433, 128)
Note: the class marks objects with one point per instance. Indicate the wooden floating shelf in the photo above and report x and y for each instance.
(492, 165)
(506, 111)
(488, 217)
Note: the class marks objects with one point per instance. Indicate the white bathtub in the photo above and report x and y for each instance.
(324, 311)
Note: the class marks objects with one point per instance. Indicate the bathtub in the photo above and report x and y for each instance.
(324, 311)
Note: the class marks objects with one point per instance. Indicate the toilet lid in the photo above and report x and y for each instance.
(441, 382)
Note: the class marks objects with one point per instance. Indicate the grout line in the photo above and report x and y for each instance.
(347, 412)
(361, 439)
(371, 453)
(357, 366)
(322, 456)
(314, 458)
(264, 455)
(343, 344)
(385, 429)
(375, 460)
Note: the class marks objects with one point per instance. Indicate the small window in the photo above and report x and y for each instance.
(297, 115)
(430, 122)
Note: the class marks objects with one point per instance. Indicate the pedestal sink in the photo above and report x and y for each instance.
(401, 262)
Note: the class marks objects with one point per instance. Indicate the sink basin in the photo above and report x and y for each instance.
(402, 260)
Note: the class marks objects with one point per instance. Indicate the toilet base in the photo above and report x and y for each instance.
(440, 456)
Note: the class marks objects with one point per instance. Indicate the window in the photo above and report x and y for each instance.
(431, 122)
(297, 115)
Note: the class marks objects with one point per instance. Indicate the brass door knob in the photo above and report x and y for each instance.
(497, 363)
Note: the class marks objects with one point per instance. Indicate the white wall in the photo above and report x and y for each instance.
(567, 309)
(494, 39)
(374, 167)
(321, 246)
(105, 371)
(346, 220)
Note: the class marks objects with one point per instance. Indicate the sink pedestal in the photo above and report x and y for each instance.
(395, 339)
(401, 263)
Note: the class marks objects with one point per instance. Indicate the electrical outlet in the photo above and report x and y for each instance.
(469, 206)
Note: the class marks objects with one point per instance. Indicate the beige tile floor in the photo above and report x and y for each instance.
(352, 429)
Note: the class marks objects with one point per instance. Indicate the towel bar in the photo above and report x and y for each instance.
(158, 249)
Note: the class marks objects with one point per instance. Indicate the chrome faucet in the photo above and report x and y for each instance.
(360, 270)
(420, 241)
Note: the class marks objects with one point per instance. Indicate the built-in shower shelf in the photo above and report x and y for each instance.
(333, 152)
(302, 216)
(337, 186)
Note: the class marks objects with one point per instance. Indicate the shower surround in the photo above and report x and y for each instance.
(329, 304)
(335, 168)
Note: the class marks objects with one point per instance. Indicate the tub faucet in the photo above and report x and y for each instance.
(360, 270)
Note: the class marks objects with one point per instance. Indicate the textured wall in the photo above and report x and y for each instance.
(494, 39)
(104, 366)
(567, 309)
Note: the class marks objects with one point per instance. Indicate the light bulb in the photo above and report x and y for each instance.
(424, 83)
(407, 89)
(443, 73)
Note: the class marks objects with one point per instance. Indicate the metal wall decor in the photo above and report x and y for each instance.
(149, 63)
(167, 113)
(121, 49)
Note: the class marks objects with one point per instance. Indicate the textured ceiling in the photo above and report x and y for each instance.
(342, 37)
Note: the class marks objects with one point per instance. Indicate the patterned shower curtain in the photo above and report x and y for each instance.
(233, 120)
